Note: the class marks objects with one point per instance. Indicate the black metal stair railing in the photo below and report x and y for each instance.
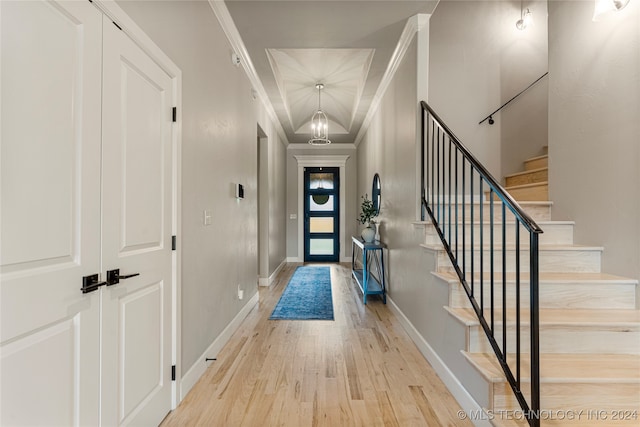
(487, 262)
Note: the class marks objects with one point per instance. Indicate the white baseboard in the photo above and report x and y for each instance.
(194, 373)
(276, 271)
(263, 281)
(462, 396)
(294, 259)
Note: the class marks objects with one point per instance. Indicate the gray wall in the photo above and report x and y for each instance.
(277, 204)
(219, 149)
(594, 128)
(478, 61)
(389, 148)
(271, 203)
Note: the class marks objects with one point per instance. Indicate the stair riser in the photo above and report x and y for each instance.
(554, 234)
(551, 261)
(575, 396)
(536, 163)
(563, 339)
(555, 295)
(534, 193)
(528, 178)
(536, 212)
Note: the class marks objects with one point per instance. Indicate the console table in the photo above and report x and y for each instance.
(370, 282)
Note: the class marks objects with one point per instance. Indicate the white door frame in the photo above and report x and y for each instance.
(339, 161)
(116, 14)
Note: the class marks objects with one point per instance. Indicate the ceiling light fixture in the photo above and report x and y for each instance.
(319, 124)
(526, 19)
(604, 7)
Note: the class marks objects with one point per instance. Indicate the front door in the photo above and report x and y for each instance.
(321, 214)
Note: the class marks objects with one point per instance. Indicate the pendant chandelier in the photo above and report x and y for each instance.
(319, 124)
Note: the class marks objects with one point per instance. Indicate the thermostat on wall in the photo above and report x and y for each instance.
(239, 191)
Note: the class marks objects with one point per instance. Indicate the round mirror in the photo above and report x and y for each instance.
(375, 193)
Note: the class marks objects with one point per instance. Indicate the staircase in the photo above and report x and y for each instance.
(589, 325)
(533, 182)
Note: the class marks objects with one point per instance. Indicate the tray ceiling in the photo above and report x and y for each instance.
(347, 45)
(343, 73)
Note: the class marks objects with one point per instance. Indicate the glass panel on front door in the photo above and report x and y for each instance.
(320, 225)
(321, 202)
(321, 213)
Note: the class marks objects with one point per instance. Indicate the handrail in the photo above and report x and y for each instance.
(460, 223)
(511, 203)
(490, 116)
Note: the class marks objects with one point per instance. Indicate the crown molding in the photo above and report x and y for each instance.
(413, 25)
(302, 146)
(326, 160)
(231, 31)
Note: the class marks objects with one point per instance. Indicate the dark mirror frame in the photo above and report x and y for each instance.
(376, 193)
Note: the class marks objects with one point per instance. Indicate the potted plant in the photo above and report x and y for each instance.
(367, 213)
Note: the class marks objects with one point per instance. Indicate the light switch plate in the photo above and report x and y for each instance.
(207, 217)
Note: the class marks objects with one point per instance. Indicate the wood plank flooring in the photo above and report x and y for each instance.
(359, 370)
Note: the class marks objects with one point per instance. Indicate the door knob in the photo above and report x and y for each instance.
(114, 277)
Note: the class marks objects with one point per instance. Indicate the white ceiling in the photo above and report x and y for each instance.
(346, 45)
(343, 73)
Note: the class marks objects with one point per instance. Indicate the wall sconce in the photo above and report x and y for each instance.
(605, 7)
(526, 18)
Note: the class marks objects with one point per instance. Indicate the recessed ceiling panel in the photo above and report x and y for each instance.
(342, 71)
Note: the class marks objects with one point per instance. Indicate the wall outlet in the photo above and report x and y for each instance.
(240, 293)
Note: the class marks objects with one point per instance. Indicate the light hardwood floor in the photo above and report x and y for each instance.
(361, 369)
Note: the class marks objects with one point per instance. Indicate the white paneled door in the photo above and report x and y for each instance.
(50, 212)
(86, 188)
(136, 233)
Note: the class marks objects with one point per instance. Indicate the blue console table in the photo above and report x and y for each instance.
(371, 280)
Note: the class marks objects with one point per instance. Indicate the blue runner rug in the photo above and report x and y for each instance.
(307, 296)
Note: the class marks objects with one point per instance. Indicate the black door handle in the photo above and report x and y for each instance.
(113, 276)
(90, 283)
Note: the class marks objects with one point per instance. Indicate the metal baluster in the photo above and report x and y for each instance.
(433, 132)
(464, 221)
(472, 224)
(518, 303)
(449, 201)
(423, 161)
(443, 190)
(438, 179)
(457, 224)
(504, 281)
(482, 250)
(491, 260)
(535, 344)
